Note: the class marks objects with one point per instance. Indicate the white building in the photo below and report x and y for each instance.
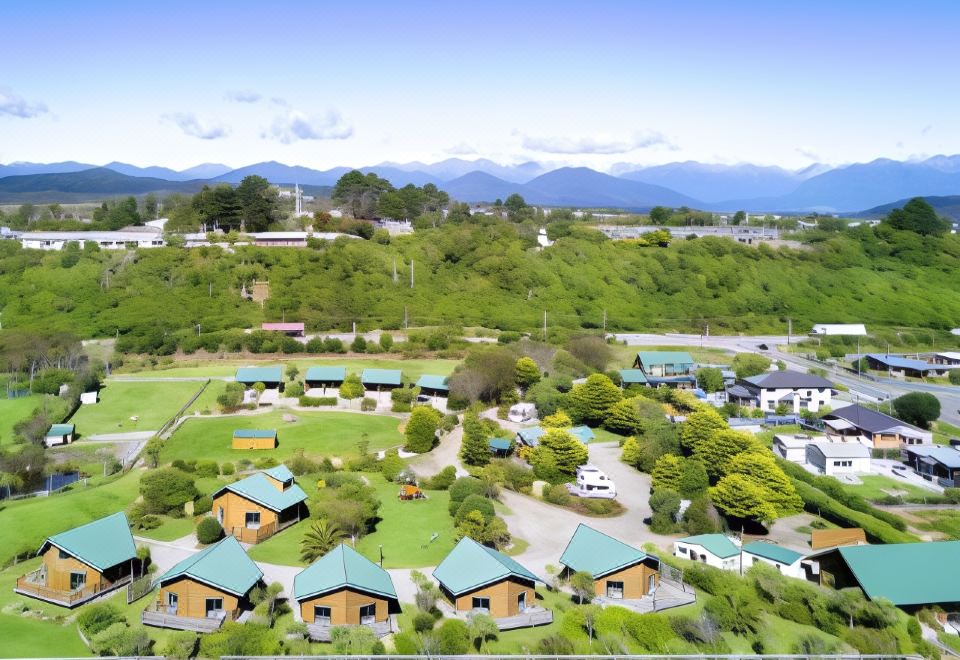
(793, 447)
(106, 240)
(833, 458)
(714, 550)
(797, 391)
(839, 329)
(542, 240)
(785, 560)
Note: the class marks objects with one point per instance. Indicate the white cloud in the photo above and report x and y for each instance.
(598, 145)
(295, 126)
(243, 96)
(16, 106)
(808, 152)
(462, 149)
(193, 127)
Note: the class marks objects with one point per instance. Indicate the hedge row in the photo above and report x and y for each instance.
(877, 531)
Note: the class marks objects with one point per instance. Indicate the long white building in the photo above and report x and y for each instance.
(107, 240)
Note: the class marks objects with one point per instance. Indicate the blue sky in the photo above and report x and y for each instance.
(596, 84)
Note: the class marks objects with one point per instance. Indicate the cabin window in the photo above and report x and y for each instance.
(214, 606)
(252, 519)
(614, 589)
(62, 555)
(321, 614)
(368, 614)
(78, 579)
(220, 515)
(481, 603)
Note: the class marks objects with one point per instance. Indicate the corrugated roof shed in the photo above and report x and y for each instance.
(381, 377)
(598, 554)
(341, 568)
(716, 544)
(255, 433)
(632, 376)
(101, 544)
(326, 374)
(259, 375)
(433, 382)
(471, 565)
(224, 566)
(60, 429)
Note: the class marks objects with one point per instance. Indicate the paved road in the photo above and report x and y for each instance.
(131, 436)
(444, 454)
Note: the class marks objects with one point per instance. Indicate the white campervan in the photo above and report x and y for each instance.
(522, 412)
(593, 482)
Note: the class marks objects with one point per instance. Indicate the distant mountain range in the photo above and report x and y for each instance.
(846, 189)
(947, 206)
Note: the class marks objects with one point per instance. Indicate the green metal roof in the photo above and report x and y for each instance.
(280, 473)
(716, 544)
(433, 382)
(101, 544)
(381, 377)
(326, 374)
(629, 376)
(258, 488)
(340, 568)
(773, 552)
(224, 566)
(500, 444)
(658, 358)
(531, 435)
(60, 429)
(255, 433)
(470, 566)
(598, 554)
(907, 573)
(259, 375)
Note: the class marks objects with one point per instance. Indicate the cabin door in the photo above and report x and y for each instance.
(173, 600)
(651, 584)
(522, 601)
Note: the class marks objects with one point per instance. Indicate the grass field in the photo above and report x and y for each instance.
(153, 403)
(943, 432)
(940, 520)
(874, 487)
(404, 529)
(13, 411)
(30, 638)
(26, 523)
(318, 434)
(412, 369)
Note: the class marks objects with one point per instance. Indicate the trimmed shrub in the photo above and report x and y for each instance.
(209, 531)
(207, 469)
(475, 503)
(442, 480)
(227, 469)
(557, 494)
(368, 405)
(98, 617)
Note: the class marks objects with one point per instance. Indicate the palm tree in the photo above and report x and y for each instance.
(482, 627)
(323, 537)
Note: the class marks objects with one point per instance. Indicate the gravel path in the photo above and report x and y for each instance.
(444, 454)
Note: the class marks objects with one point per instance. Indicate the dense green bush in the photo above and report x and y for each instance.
(462, 488)
(368, 405)
(442, 480)
(474, 503)
(98, 617)
(207, 469)
(209, 531)
(203, 504)
(317, 401)
(166, 490)
(557, 494)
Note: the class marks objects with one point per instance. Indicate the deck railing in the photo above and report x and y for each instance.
(33, 584)
(159, 617)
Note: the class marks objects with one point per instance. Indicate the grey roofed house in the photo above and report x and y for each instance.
(841, 449)
(873, 422)
(776, 380)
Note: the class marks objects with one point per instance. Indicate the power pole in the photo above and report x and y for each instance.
(544, 325)
(395, 279)
(405, 325)
(411, 273)
(789, 330)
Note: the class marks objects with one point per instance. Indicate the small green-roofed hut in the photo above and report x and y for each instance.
(433, 385)
(381, 378)
(324, 377)
(269, 376)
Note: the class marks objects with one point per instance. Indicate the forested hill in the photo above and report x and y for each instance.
(490, 275)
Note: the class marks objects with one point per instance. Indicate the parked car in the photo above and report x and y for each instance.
(592, 482)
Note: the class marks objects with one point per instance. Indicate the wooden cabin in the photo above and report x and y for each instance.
(260, 505)
(620, 571)
(83, 563)
(204, 590)
(344, 588)
(254, 439)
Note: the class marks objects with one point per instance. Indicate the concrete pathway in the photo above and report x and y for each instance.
(131, 436)
(444, 454)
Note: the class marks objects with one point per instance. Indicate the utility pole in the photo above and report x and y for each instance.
(544, 325)
(405, 321)
(789, 330)
(411, 273)
(395, 279)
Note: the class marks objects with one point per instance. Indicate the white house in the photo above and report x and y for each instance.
(797, 391)
(89, 398)
(793, 447)
(833, 458)
(106, 240)
(714, 550)
(785, 560)
(840, 329)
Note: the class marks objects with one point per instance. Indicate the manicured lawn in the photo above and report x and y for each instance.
(169, 530)
(30, 638)
(766, 436)
(874, 485)
(26, 523)
(153, 403)
(943, 432)
(403, 530)
(13, 411)
(318, 434)
(208, 400)
(603, 435)
(412, 369)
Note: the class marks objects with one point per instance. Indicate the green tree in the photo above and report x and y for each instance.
(590, 400)
(918, 216)
(919, 408)
(660, 215)
(762, 469)
(582, 584)
(351, 387)
(631, 451)
(739, 217)
(360, 193)
(667, 473)
(528, 372)
(292, 371)
(322, 537)
(421, 431)
(483, 628)
(740, 497)
(699, 426)
(209, 530)
(472, 525)
(694, 480)
(749, 364)
(475, 449)
(166, 490)
(558, 420)
(710, 379)
(566, 450)
(623, 417)
(719, 449)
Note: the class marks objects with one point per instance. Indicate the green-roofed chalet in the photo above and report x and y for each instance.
(664, 363)
(433, 385)
(258, 488)
(716, 544)
(632, 377)
(259, 506)
(269, 376)
(907, 574)
(619, 570)
(500, 446)
(224, 565)
(381, 377)
(325, 376)
(83, 563)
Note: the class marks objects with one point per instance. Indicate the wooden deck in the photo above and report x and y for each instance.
(320, 632)
(532, 616)
(159, 619)
(32, 585)
(665, 596)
